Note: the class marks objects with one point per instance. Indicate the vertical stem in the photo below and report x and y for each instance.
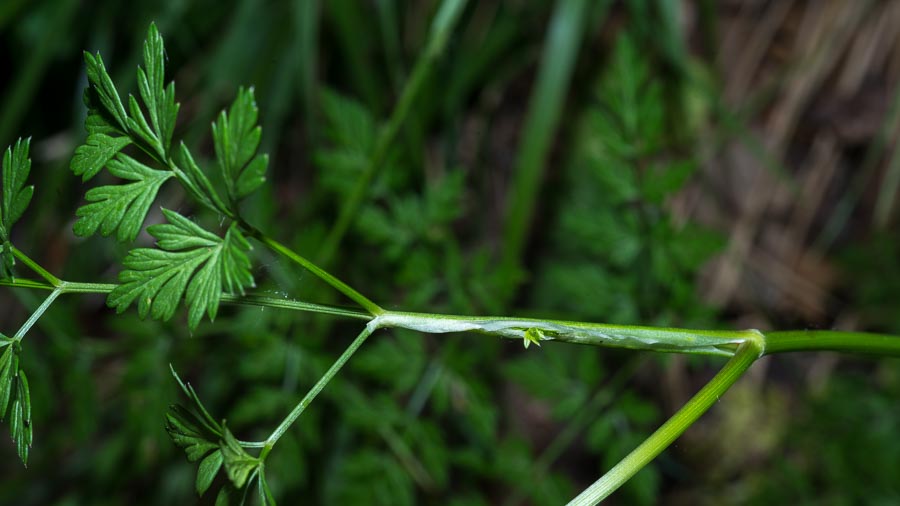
(546, 105)
(746, 354)
(316, 389)
(441, 28)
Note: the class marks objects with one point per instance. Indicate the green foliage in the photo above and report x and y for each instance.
(190, 262)
(614, 234)
(205, 440)
(123, 208)
(812, 466)
(15, 199)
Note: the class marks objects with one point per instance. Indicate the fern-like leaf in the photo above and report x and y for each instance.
(190, 262)
(14, 198)
(198, 434)
(121, 208)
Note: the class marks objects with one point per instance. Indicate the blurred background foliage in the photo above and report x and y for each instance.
(698, 163)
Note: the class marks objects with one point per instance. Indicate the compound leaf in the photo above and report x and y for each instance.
(236, 136)
(95, 153)
(121, 208)
(190, 261)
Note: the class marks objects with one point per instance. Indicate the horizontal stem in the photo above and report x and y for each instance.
(710, 342)
(746, 354)
(707, 342)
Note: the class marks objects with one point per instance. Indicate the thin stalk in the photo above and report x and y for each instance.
(322, 274)
(747, 353)
(316, 389)
(444, 22)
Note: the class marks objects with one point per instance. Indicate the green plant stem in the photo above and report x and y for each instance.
(316, 389)
(831, 340)
(707, 342)
(322, 274)
(710, 342)
(444, 22)
(746, 354)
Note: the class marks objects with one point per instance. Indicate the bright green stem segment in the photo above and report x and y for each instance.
(444, 22)
(832, 340)
(336, 283)
(746, 354)
(316, 389)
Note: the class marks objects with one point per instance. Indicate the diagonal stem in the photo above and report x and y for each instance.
(444, 22)
(337, 284)
(746, 354)
(316, 389)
